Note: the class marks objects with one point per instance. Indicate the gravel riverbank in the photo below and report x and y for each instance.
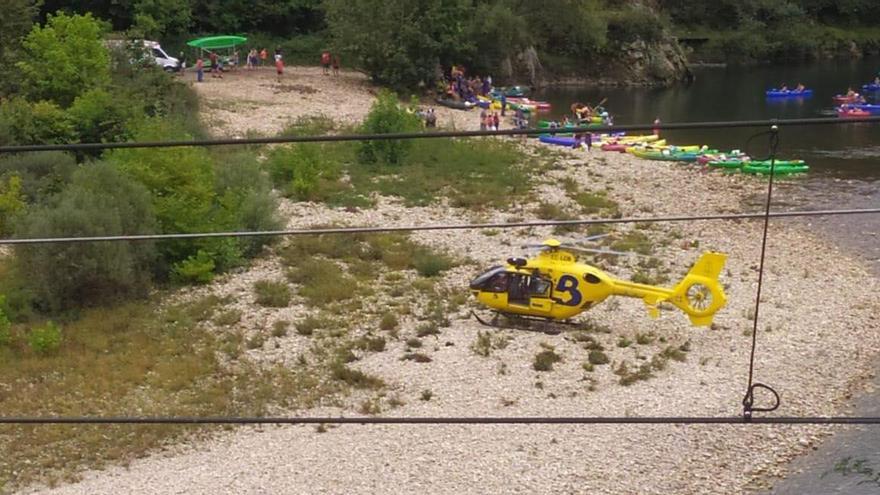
(818, 334)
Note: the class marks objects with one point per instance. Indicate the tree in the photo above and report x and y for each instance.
(16, 19)
(64, 59)
(99, 201)
(401, 43)
(155, 18)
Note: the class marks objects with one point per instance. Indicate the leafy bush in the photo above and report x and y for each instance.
(387, 117)
(430, 264)
(388, 322)
(65, 58)
(99, 201)
(101, 117)
(33, 123)
(196, 269)
(11, 202)
(297, 169)
(5, 327)
(545, 360)
(46, 339)
(272, 294)
(246, 197)
(598, 357)
(42, 173)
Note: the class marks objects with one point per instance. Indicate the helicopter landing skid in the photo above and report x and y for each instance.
(527, 323)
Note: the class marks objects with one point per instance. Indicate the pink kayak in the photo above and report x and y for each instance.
(540, 105)
(619, 147)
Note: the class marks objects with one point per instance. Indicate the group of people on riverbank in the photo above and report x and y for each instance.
(458, 87)
(255, 59)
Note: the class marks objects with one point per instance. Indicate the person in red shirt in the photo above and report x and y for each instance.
(279, 67)
(263, 56)
(325, 62)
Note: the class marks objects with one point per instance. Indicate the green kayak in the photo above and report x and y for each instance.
(728, 164)
(778, 169)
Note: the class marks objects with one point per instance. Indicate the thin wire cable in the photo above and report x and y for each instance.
(451, 420)
(749, 398)
(417, 228)
(432, 135)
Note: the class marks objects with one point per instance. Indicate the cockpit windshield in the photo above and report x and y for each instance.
(491, 280)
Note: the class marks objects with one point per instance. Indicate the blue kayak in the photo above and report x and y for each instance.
(871, 87)
(872, 109)
(788, 93)
(557, 140)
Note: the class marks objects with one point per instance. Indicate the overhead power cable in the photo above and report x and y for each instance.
(418, 228)
(451, 420)
(431, 135)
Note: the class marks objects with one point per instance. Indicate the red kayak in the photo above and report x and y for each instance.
(852, 113)
(844, 99)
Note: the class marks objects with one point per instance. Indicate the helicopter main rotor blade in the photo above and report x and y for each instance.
(600, 251)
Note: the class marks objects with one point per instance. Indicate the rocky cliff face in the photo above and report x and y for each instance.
(631, 64)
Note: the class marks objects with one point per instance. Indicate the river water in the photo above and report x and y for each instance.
(845, 173)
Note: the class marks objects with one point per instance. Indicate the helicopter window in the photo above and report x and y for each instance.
(539, 286)
(592, 278)
(498, 283)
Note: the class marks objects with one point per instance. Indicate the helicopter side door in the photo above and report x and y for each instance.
(530, 291)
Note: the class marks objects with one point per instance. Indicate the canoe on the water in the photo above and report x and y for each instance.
(872, 109)
(852, 113)
(788, 93)
(458, 105)
(844, 99)
(871, 87)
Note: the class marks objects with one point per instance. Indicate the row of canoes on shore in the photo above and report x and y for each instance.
(651, 147)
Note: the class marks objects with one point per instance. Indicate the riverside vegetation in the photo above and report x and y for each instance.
(100, 329)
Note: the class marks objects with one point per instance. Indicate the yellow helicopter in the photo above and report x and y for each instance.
(554, 286)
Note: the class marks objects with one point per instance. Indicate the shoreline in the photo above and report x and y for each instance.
(826, 338)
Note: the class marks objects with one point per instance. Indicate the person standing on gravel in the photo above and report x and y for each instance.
(200, 70)
(279, 66)
(325, 62)
(336, 65)
(263, 56)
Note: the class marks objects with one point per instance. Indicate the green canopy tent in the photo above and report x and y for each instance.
(214, 43)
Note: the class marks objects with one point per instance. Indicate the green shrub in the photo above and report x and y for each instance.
(598, 357)
(99, 201)
(388, 322)
(99, 116)
(227, 318)
(297, 170)
(272, 294)
(42, 173)
(5, 327)
(45, 339)
(279, 328)
(372, 344)
(430, 264)
(545, 360)
(354, 378)
(197, 269)
(33, 123)
(11, 202)
(418, 357)
(387, 117)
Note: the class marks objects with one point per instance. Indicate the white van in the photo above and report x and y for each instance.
(151, 51)
(167, 62)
